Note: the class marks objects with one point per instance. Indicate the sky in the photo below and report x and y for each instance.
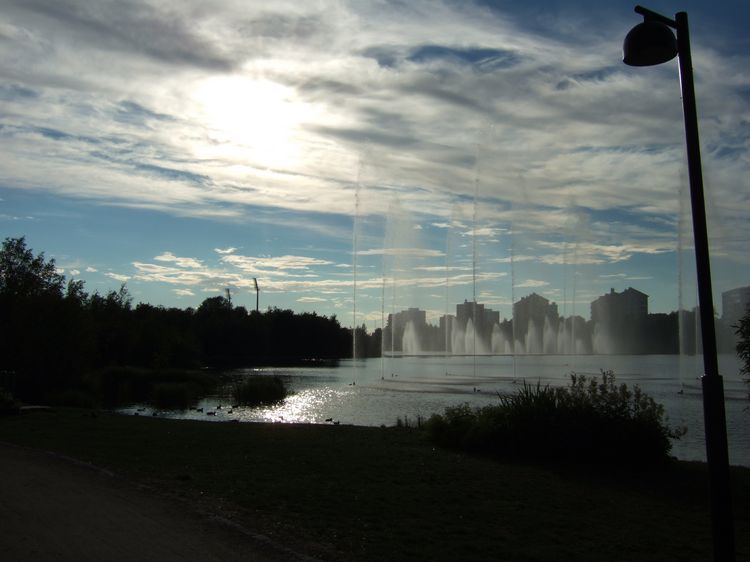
(359, 158)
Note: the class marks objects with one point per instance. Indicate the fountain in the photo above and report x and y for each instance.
(410, 342)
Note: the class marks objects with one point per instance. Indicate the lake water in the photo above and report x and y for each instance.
(376, 392)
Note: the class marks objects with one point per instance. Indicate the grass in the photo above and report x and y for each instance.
(346, 493)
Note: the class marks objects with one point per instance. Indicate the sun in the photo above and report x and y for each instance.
(251, 121)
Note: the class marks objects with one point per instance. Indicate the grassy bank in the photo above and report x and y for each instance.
(376, 494)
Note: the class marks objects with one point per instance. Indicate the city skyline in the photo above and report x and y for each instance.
(619, 322)
(359, 158)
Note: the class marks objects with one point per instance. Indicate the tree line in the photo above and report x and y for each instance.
(53, 333)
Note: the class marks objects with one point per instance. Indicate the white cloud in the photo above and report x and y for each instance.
(90, 269)
(403, 252)
(183, 292)
(514, 148)
(181, 262)
(273, 266)
(225, 250)
(118, 276)
(529, 283)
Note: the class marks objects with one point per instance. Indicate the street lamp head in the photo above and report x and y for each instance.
(649, 43)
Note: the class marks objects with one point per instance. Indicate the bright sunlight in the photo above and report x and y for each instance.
(251, 121)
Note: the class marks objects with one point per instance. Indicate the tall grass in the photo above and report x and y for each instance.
(587, 420)
(8, 404)
(167, 388)
(257, 390)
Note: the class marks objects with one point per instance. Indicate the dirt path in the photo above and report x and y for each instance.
(53, 508)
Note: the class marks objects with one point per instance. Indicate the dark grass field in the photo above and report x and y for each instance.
(346, 493)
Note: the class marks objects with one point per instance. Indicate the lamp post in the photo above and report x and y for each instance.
(651, 42)
(257, 294)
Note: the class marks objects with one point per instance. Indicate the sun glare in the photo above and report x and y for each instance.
(253, 121)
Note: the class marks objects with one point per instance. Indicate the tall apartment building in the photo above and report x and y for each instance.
(734, 305)
(619, 321)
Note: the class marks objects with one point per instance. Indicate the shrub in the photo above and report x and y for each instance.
(587, 420)
(257, 390)
(742, 329)
(8, 404)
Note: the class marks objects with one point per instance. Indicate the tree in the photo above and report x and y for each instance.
(22, 274)
(742, 329)
(34, 324)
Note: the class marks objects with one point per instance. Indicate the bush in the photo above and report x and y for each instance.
(258, 390)
(8, 404)
(587, 420)
(742, 329)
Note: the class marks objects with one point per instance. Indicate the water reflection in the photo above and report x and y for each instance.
(310, 405)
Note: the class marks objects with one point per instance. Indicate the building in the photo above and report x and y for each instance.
(629, 306)
(482, 317)
(619, 321)
(396, 328)
(535, 317)
(734, 305)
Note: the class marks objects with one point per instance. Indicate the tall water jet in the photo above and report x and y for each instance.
(601, 340)
(473, 342)
(458, 339)
(500, 343)
(533, 340)
(355, 250)
(564, 343)
(549, 337)
(410, 341)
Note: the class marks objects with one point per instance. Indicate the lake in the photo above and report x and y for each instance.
(376, 392)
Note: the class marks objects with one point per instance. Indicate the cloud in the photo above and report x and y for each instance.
(225, 250)
(403, 252)
(311, 299)
(183, 292)
(118, 276)
(513, 125)
(130, 29)
(529, 283)
(90, 269)
(181, 262)
(273, 266)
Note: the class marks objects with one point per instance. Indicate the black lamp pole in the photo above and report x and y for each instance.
(717, 451)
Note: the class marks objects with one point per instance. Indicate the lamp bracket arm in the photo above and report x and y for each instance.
(649, 15)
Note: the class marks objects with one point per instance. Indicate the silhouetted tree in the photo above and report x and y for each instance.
(743, 344)
(22, 274)
(34, 321)
(52, 333)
